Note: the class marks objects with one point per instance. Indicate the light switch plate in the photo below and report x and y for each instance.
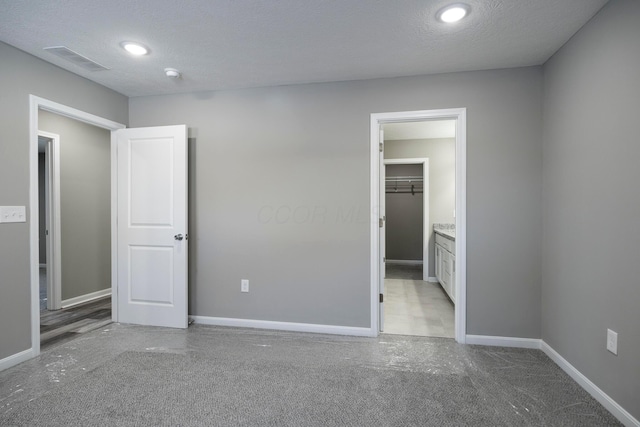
(13, 214)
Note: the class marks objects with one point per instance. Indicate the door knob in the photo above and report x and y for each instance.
(178, 237)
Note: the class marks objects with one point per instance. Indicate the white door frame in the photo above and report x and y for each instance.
(378, 119)
(36, 103)
(425, 206)
(52, 213)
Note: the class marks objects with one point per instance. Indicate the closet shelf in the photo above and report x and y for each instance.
(403, 179)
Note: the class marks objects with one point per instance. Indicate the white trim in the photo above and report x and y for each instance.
(85, 298)
(72, 113)
(404, 261)
(432, 280)
(36, 103)
(285, 326)
(375, 262)
(605, 400)
(15, 359)
(460, 115)
(52, 212)
(114, 227)
(504, 341)
(34, 226)
(461, 227)
(425, 205)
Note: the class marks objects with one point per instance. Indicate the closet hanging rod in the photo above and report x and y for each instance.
(416, 191)
(404, 178)
(404, 184)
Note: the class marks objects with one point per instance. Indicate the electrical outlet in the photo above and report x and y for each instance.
(612, 341)
(244, 285)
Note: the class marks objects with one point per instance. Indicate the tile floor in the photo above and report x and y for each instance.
(415, 307)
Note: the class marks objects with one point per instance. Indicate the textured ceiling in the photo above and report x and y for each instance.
(222, 44)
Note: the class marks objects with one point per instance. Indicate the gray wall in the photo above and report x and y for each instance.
(85, 204)
(22, 75)
(591, 267)
(404, 224)
(303, 152)
(42, 224)
(442, 179)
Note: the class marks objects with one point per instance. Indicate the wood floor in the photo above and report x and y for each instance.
(63, 325)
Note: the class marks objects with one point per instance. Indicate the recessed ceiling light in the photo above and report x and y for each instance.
(453, 13)
(134, 48)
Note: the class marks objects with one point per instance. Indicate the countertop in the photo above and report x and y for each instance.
(448, 233)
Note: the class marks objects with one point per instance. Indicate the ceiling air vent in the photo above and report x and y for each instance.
(74, 57)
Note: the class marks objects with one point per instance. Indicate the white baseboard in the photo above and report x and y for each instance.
(404, 261)
(285, 326)
(612, 406)
(14, 359)
(503, 341)
(432, 280)
(85, 298)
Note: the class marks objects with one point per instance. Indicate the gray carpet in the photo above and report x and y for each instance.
(154, 389)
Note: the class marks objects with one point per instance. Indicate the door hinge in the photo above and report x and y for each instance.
(381, 147)
(381, 298)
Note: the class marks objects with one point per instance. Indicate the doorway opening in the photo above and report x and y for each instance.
(407, 215)
(418, 192)
(419, 160)
(36, 106)
(48, 224)
(148, 192)
(74, 192)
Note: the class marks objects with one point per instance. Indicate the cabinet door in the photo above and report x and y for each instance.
(444, 269)
(452, 285)
(438, 263)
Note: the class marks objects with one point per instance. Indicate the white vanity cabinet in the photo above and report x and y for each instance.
(452, 283)
(446, 264)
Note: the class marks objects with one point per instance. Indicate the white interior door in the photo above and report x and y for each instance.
(383, 228)
(152, 226)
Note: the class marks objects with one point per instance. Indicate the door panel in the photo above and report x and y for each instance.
(150, 274)
(152, 218)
